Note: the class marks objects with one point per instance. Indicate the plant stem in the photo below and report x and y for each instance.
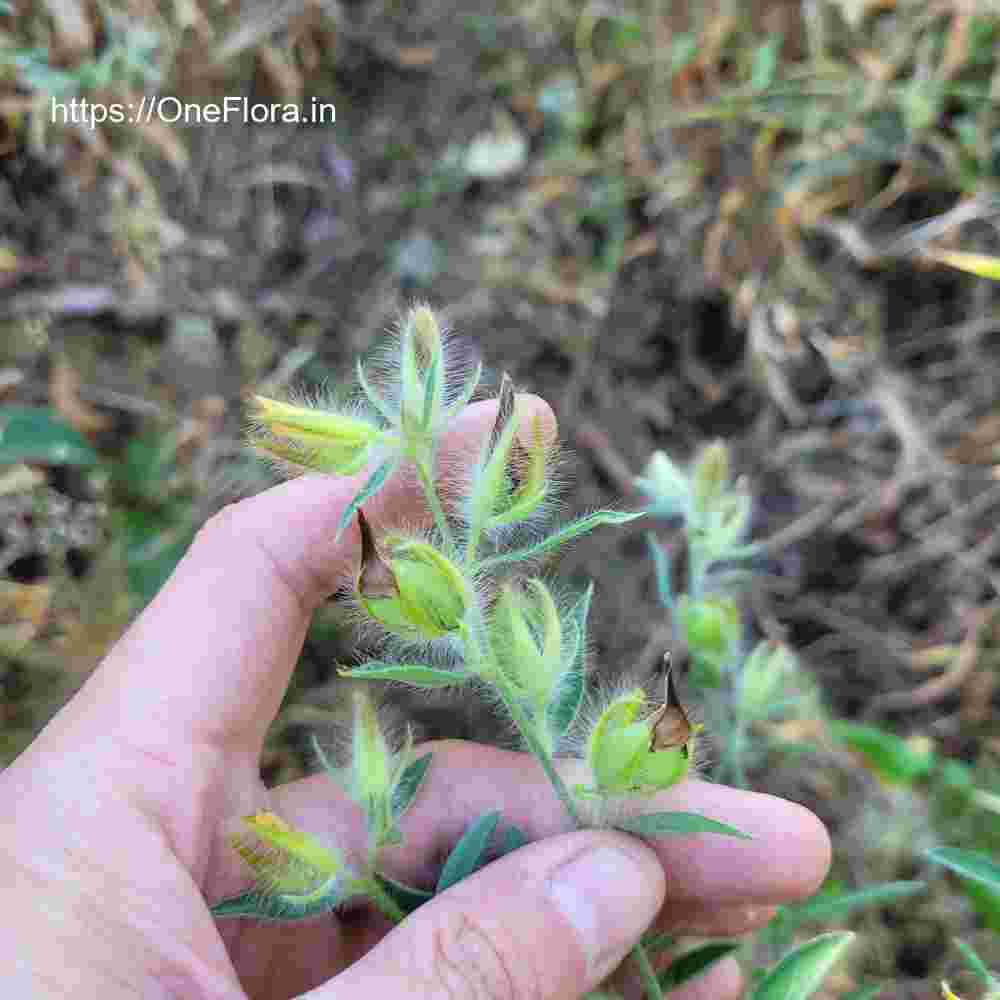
(538, 750)
(434, 501)
(385, 903)
(649, 981)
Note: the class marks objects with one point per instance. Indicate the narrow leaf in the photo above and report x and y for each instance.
(414, 674)
(373, 395)
(658, 942)
(676, 824)
(432, 389)
(375, 482)
(407, 897)
(969, 864)
(513, 838)
(799, 974)
(694, 963)
(568, 695)
(828, 906)
(277, 906)
(891, 757)
(661, 568)
(467, 856)
(975, 963)
(562, 536)
(468, 390)
(405, 790)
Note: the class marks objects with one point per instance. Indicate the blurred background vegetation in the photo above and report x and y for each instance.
(677, 222)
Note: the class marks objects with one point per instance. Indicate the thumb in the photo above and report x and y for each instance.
(549, 921)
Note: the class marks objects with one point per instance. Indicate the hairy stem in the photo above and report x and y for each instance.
(434, 501)
(649, 980)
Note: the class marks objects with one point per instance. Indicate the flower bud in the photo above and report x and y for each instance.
(415, 592)
(710, 476)
(711, 626)
(286, 860)
(529, 635)
(316, 439)
(666, 485)
(423, 371)
(764, 678)
(627, 754)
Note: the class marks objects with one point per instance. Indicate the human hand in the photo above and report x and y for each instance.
(113, 823)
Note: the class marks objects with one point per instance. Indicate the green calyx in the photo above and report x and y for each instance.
(528, 637)
(711, 625)
(628, 754)
(414, 590)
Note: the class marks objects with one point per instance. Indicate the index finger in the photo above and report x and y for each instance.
(209, 660)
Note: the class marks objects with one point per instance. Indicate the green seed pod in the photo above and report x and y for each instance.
(415, 592)
(628, 755)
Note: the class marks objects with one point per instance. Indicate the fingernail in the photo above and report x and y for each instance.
(610, 896)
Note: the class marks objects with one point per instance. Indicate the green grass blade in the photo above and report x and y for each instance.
(979, 867)
(562, 536)
(676, 824)
(975, 963)
(694, 963)
(467, 855)
(829, 906)
(799, 974)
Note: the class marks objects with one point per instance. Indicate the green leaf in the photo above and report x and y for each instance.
(765, 63)
(375, 482)
(467, 856)
(513, 838)
(658, 942)
(676, 824)
(407, 897)
(38, 435)
(694, 963)
(414, 674)
(830, 906)
(468, 390)
(683, 50)
(433, 389)
(892, 758)
(277, 906)
(975, 963)
(562, 536)
(799, 974)
(566, 699)
(372, 394)
(968, 864)
(405, 790)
